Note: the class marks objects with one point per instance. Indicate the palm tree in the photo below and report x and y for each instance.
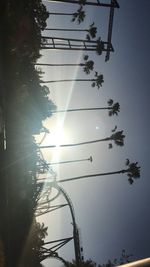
(113, 3)
(43, 166)
(78, 16)
(99, 46)
(132, 171)
(117, 137)
(113, 109)
(97, 81)
(91, 32)
(88, 65)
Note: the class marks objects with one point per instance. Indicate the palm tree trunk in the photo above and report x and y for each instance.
(60, 14)
(78, 144)
(92, 175)
(66, 30)
(60, 65)
(79, 109)
(69, 80)
(63, 162)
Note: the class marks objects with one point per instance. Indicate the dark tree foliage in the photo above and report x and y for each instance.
(26, 104)
(33, 251)
(26, 19)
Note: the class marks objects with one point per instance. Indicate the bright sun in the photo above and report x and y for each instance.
(57, 137)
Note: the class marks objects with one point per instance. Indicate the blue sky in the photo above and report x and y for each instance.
(111, 214)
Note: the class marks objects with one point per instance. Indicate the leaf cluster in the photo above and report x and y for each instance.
(89, 65)
(133, 171)
(99, 46)
(79, 15)
(99, 79)
(92, 31)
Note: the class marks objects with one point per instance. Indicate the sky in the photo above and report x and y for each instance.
(111, 214)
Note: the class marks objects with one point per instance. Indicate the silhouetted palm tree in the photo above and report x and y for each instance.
(117, 137)
(113, 109)
(91, 32)
(100, 46)
(95, 82)
(88, 65)
(43, 166)
(132, 171)
(78, 16)
(91, 3)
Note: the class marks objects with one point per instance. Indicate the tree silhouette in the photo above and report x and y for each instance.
(117, 137)
(88, 65)
(97, 81)
(32, 253)
(78, 16)
(91, 3)
(99, 46)
(132, 171)
(43, 166)
(91, 31)
(113, 109)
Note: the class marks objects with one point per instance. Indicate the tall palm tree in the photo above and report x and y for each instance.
(91, 31)
(97, 81)
(88, 65)
(78, 16)
(117, 137)
(113, 3)
(113, 109)
(132, 170)
(43, 166)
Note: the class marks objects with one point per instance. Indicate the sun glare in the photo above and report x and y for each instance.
(58, 136)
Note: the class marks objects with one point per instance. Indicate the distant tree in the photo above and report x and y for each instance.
(78, 16)
(88, 65)
(91, 31)
(132, 171)
(117, 137)
(97, 81)
(113, 109)
(100, 46)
